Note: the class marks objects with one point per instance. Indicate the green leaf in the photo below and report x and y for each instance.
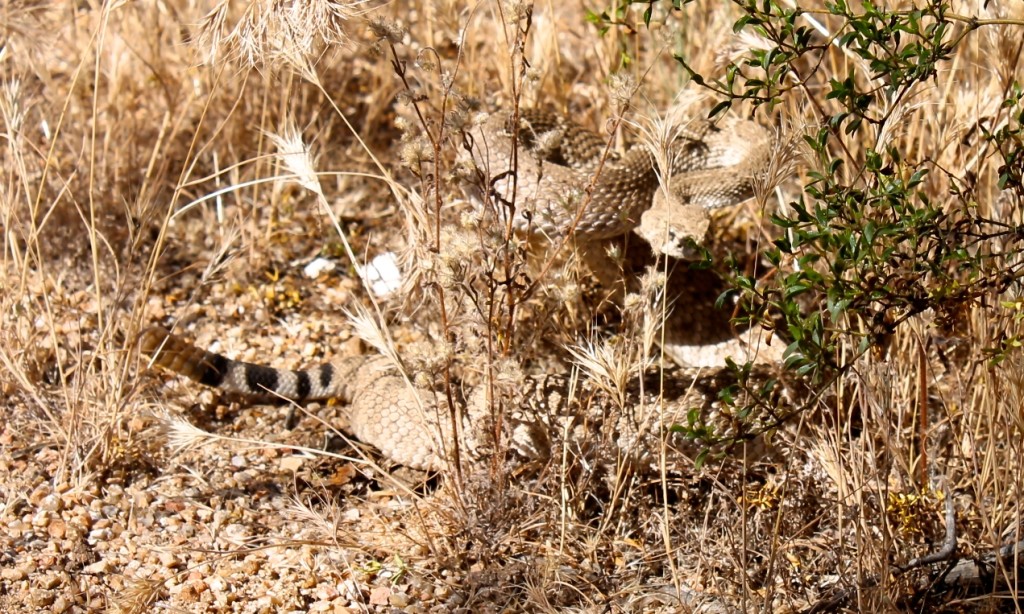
(719, 108)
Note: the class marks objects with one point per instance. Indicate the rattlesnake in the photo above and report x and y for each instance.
(712, 166)
(410, 425)
(663, 197)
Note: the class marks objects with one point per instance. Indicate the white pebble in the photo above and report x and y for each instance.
(382, 274)
(318, 266)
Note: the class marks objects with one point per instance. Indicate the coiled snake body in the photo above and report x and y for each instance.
(711, 165)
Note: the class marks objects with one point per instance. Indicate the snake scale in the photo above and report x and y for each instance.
(710, 165)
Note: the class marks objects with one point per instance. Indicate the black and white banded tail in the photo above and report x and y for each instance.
(175, 354)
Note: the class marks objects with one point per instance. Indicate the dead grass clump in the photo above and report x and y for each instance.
(173, 163)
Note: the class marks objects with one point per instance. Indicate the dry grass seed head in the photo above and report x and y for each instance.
(608, 365)
(518, 10)
(460, 257)
(292, 34)
(373, 332)
(24, 31)
(660, 131)
(180, 435)
(787, 151)
(12, 108)
(416, 153)
(389, 30)
(295, 155)
(324, 519)
(622, 86)
(739, 46)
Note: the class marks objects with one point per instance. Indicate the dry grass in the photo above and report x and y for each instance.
(180, 163)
